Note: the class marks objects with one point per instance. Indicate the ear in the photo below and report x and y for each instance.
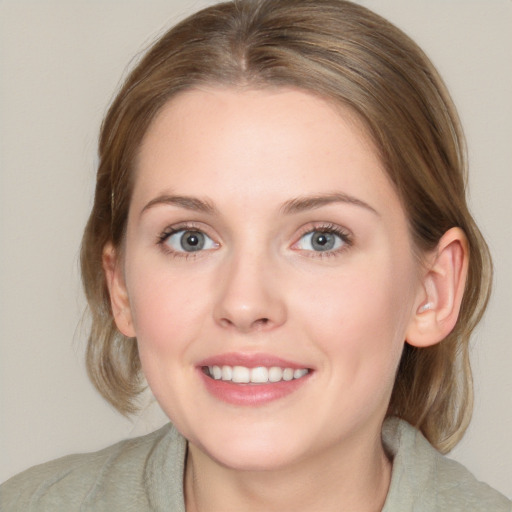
(439, 299)
(119, 300)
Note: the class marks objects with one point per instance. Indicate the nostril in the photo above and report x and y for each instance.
(226, 322)
(261, 322)
(258, 324)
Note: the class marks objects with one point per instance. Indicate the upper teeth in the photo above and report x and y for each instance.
(258, 375)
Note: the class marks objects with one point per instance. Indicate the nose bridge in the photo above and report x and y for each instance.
(249, 297)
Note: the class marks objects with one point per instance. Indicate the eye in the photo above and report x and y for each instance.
(322, 240)
(186, 240)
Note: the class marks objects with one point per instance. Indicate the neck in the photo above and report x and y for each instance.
(346, 478)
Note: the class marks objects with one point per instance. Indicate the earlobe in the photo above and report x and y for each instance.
(119, 299)
(440, 298)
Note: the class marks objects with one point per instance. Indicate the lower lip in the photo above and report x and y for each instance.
(251, 394)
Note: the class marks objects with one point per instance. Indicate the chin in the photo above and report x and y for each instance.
(272, 460)
(247, 452)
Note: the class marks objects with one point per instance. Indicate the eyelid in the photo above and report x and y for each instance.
(172, 229)
(176, 238)
(343, 233)
(328, 227)
(185, 226)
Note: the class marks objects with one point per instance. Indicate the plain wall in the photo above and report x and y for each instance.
(60, 63)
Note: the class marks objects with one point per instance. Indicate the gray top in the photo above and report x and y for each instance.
(146, 474)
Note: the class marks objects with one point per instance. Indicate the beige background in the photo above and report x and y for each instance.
(60, 62)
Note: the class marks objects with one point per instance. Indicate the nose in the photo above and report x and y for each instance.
(250, 298)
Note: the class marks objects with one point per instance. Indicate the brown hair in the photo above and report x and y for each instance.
(351, 56)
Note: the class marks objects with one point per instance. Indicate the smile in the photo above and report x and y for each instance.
(252, 379)
(256, 375)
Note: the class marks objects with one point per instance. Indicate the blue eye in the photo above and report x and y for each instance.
(186, 240)
(322, 241)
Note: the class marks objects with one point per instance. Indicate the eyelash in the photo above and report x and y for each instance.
(169, 231)
(343, 234)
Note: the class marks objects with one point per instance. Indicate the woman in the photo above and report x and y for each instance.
(280, 240)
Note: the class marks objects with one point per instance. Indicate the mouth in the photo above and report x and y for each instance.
(252, 379)
(257, 375)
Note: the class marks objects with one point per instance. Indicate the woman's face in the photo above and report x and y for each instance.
(265, 243)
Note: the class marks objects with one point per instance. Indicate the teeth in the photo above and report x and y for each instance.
(297, 374)
(227, 373)
(275, 374)
(258, 375)
(217, 372)
(287, 374)
(240, 374)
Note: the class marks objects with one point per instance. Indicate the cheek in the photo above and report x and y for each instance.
(359, 318)
(169, 312)
(168, 309)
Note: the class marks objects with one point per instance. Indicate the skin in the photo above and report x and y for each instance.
(259, 286)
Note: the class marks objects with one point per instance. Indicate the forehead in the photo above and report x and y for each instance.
(250, 107)
(260, 143)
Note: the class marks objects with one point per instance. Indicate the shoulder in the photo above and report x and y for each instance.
(116, 478)
(423, 479)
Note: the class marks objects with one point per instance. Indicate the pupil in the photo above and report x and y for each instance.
(192, 241)
(323, 241)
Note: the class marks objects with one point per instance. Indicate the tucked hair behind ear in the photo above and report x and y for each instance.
(352, 57)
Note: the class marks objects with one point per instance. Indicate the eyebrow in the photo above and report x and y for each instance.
(296, 205)
(305, 203)
(187, 202)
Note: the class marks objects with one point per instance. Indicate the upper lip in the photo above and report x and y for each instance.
(250, 361)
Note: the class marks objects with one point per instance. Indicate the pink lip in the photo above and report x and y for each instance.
(249, 360)
(250, 394)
